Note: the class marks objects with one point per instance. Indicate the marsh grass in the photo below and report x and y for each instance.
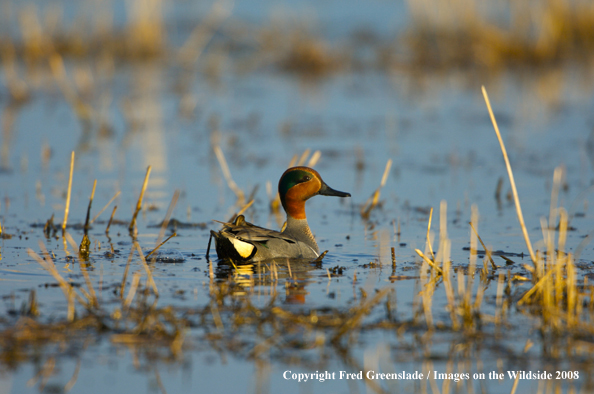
(132, 227)
(500, 34)
(555, 295)
(277, 331)
(443, 35)
(143, 36)
(78, 56)
(374, 199)
(297, 49)
(67, 206)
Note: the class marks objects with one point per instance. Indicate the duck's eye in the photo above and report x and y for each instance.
(306, 178)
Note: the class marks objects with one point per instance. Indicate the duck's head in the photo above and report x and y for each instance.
(299, 184)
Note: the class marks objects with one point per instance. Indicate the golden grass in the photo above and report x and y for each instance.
(461, 34)
(67, 207)
(132, 226)
(89, 207)
(373, 200)
(442, 35)
(105, 207)
(227, 175)
(165, 222)
(555, 294)
(110, 219)
(202, 34)
(511, 178)
(296, 49)
(143, 36)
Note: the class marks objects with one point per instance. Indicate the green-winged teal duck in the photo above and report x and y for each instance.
(241, 241)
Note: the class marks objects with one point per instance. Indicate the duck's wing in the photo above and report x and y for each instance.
(249, 232)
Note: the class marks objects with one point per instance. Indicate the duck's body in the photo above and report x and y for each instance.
(241, 241)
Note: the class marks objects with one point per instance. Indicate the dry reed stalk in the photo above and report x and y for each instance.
(498, 190)
(242, 210)
(293, 161)
(145, 33)
(474, 218)
(194, 46)
(66, 288)
(393, 258)
(89, 207)
(105, 207)
(149, 274)
(81, 109)
(462, 287)
(211, 286)
(68, 194)
(511, 178)
(499, 298)
(176, 344)
(478, 300)
(274, 198)
(449, 290)
(469, 307)
(543, 267)
(161, 244)
(139, 203)
(110, 219)
(374, 199)
(572, 293)
(159, 381)
(555, 255)
(125, 276)
(353, 321)
(515, 385)
(18, 88)
(70, 384)
(541, 283)
(48, 264)
(165, 223)
(428, 234)
(557, 177)
(428, 261)
(426, 299)
(275, 271)
(561, 255)
(216, 316)
(314, 159)
(227, 174)
(91, 296)
(320, 257)
(443, 251)
(133, 288)
(487, 251)
(303, 157)
(44, 373)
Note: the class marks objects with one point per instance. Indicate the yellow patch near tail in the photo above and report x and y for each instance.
(243, 248)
